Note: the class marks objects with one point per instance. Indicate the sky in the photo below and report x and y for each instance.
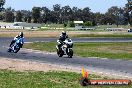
(95, 5)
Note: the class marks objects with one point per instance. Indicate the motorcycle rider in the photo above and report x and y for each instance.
(20, 35)
(62, 38)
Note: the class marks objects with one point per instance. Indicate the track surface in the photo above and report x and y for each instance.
(108, 66)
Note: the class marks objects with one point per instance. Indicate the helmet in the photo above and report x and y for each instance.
(21, 34)
(63, 32)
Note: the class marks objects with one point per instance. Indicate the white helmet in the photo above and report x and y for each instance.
(21, 34)
(63, 32)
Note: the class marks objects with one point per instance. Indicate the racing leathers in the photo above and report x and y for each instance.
(61, 39)
(15, 39)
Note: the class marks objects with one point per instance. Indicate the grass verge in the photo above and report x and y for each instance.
(101, 50)
(104, 35)
(12, 79)
(56, 33)
(72, 35)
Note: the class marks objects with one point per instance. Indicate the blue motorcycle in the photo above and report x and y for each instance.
(15, 47)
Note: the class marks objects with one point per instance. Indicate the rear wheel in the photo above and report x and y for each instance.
(11, 46)
(9, 50)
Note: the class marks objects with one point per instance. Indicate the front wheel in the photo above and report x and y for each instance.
(70, 53)
(16, 50)
(60, 53)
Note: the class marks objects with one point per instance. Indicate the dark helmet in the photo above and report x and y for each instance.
(21, 34)
(63, 32)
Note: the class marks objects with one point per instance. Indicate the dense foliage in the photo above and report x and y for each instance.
(65, 14)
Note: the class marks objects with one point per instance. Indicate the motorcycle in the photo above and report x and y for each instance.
(15, 47)
(65, 48)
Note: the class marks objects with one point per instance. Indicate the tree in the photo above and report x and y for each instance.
(114, 14)
(86, 14)
(57, 11)
(45, 14)
(98, 17)
(129, 11)
(36, 14)
(19, 16)
(26, 15)
(66, 14)
(107, 20)
(94, 23)
(29, 19)
(71, 24)
(88, 23)
(79, 14)
(75, 13)
(2, 3)
(8, 15)
(53, 17)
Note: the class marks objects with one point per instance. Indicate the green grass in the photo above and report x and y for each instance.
(105, 35)
(99, 26)
(101, 50)
(11, 79)
(43, 46)
(52, 25)
(70, 32)
(54, 79)
(113, 26)
(104, 50)
(93, 34)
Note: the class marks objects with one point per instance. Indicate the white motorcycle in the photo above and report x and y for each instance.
(66, 48)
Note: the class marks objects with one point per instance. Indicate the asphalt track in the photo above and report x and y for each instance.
(107, 66)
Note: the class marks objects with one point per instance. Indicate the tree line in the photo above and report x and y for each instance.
(65, 14)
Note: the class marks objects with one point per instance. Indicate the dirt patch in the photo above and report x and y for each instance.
(25, 65)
